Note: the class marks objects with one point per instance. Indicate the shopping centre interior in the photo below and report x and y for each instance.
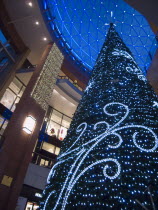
(47, 52)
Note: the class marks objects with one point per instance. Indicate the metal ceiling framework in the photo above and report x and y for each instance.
(79, 29)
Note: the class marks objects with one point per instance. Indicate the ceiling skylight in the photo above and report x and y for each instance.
(81, 27)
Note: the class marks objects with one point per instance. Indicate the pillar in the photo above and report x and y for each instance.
(16, 152)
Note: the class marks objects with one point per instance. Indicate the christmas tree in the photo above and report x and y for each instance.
(110, 155)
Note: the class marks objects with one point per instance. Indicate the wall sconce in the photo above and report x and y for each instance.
(29, 124)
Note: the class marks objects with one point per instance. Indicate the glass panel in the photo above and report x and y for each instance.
(21, 92)
(2, 37)
(66, 121)
(1, 120)
(15, 85)
(62, 133)
(31, 206)
(53, 129)
(15, 104)
(43, 162)
(57, 150)
(36, 207)
(3, 61)
(8, 98)
(3, 124)
(46, 163)
(56, 116)
(48, 147)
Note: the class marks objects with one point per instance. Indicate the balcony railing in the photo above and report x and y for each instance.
(73, 82)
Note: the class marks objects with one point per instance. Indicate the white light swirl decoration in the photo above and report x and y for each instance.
(79, 129)
(67, 178)
(89, 86)
(81, 152)
(155, 104)
(137, 71)
(52, 171)
(115, 114)
(118, 52)
(86, 169)
(119, 143)
(48, 199)
(106, 167)
(146, 150)
(134, 69)
(134, 136)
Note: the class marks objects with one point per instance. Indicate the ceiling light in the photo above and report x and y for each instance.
(37, 23)
(30, 4)
(45, 39)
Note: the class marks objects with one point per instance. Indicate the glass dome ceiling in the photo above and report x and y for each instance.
(81, 27)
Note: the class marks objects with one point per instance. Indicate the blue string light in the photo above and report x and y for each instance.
(110, 154)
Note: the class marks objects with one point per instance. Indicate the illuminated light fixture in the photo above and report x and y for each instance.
(38, 195)
(45, 39)
(30, 4)
(37, 23)
(29, 124)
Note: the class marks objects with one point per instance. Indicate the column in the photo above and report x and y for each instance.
(16, 152)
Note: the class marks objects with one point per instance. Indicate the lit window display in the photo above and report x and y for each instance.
(44, 162)
(8, 98)
(56, 116)
(31, 206)
(13, 94)
(57, 150)
(50, 148)
(58, 124)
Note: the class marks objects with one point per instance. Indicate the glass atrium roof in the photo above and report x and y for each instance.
(80, 27)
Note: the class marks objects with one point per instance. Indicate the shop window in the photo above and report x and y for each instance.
(14, 104)
(44, 162)
(21, 91)
(57, 150)
(13, 94)
(56, 116)
(8, 98)
(53, 129)
(62, 133)
(31, 206)
(15, 86)
(66, 121)
(48, 147)
(58, 124)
